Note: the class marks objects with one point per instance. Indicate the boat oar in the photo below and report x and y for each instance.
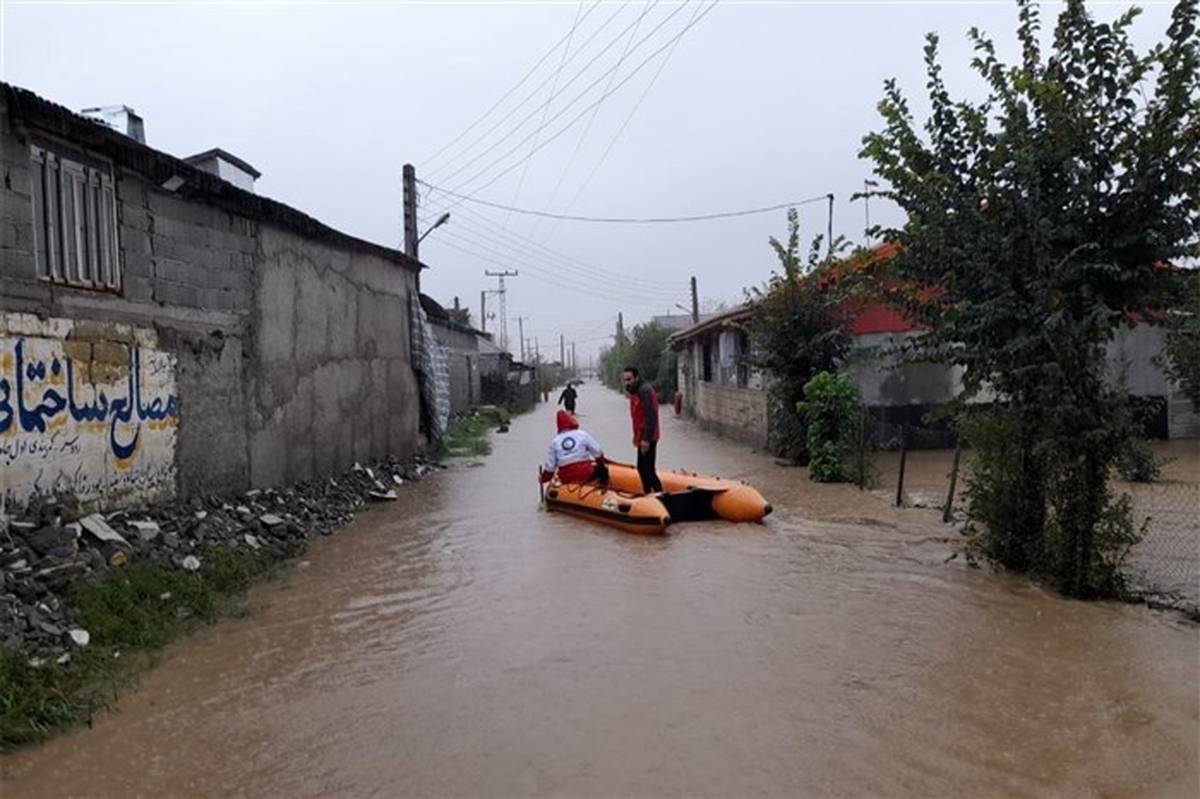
(541, 489)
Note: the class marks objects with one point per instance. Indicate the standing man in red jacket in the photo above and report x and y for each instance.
(643, 408)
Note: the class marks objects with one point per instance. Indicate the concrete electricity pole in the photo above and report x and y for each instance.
(521, 333)
(409, 180)
(501, 290)
(695, 303)
(562, 351)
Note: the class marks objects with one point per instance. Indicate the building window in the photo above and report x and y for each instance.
(74, 222)
(708, 360)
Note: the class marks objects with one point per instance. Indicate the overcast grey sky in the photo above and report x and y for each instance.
(758, 104)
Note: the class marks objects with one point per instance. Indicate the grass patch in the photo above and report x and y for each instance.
(468, 437)
(130, 615)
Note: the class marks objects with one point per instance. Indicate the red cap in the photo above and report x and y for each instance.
(566, 422)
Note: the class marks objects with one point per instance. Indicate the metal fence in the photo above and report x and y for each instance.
(1163, 568)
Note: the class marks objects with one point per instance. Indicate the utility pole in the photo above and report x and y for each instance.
(483, 311)
(521, 333)
(695, 303)
(830, 240)
(503, 332)
(562, 352)
(409, 181)
(537, 349)
(620, 329)
(573, 361)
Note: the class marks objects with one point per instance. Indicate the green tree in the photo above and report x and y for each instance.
(647, 350)
(833, 410)
(798, 327)
(1039, 221)
(1182, 361)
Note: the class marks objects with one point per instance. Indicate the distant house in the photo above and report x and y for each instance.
(722, 393)
(675, 322)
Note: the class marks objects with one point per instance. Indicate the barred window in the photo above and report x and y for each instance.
(75, 222)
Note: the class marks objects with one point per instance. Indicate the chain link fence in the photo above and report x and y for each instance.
(1163, 568)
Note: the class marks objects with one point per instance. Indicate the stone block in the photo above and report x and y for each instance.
(172, 293)
(137, 264)
(167, 268)
(131, 190)
(135, 218)
(19, 263)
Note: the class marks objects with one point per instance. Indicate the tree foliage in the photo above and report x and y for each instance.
(834, 412)
(1039, 221)
(1182, 361)
(647, 350)
(797, 329)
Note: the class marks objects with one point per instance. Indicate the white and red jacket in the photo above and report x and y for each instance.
(573, 453)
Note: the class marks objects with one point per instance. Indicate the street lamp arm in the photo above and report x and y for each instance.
(442, 220)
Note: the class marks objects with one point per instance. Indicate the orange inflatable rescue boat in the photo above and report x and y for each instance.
(695, 497)
(630, 512)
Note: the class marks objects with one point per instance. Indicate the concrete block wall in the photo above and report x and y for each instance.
(330, 379)
(290, 340)
(739, 413)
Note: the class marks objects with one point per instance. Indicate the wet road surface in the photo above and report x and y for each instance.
(460, 642)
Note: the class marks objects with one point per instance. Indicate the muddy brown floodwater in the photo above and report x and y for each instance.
(462, 643)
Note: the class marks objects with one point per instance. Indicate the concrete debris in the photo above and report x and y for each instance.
(383, 496)
(146, 529)
(80, 637)
(52, 545)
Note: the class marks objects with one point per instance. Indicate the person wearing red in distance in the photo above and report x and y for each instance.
(574, 454)
(643, 409)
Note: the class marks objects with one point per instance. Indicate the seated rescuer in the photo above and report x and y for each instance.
(574, 454)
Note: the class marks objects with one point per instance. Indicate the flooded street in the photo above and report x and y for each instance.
(462, 643)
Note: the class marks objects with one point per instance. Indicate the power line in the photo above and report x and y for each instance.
(508, 93)
(553, 86)
(570, 263)
(611, 293)
(592, 119)
(543, 278)
(520, 124)
(621, 130)
(549, 100)
(631, 220)
(553, 271)
(563, 271)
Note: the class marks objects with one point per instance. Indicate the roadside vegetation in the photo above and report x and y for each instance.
(130, 614)
(647, 350)
(1058, 209)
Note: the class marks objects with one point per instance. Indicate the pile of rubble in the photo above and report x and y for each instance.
(51, 545)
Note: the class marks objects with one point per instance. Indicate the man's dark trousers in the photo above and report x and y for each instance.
(646, 470)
